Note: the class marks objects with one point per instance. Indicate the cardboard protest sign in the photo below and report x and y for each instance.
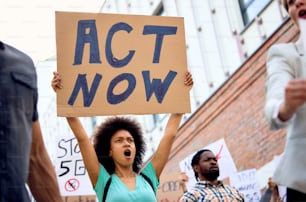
(170, 189)
(71, 173)
(80, 198)
(120, 64)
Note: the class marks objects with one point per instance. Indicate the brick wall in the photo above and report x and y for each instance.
(236, 113)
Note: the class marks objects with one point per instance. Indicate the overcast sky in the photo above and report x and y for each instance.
(29, 25)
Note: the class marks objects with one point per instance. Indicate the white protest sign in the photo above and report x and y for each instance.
(71, 173)
(226, 164)
(248, 184)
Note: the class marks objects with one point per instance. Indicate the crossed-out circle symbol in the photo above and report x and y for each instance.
(72, 185)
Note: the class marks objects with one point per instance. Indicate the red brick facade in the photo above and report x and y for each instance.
(236, 113)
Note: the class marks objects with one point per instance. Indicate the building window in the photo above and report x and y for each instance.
(155, 119)
(251, 8)
(159, 11)
(94, 122)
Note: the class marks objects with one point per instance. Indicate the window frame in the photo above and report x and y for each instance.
(247, 17)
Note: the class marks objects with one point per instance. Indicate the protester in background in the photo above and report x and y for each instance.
(285, 105)
(271, 193)
(117, 155)
(276, 195)
(23, 156)
(208, 187)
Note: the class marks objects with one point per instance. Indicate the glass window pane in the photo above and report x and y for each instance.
(251, 8)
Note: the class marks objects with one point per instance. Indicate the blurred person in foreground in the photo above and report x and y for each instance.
(208, 187)
(23, 156)
(285, 105)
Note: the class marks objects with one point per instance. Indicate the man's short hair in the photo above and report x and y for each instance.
(196, 159)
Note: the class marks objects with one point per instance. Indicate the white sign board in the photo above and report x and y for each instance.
(226, 164)
(71, 173)
(248, 184)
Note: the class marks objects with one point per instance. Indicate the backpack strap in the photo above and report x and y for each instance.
(110, 180)
(148, 180)
(106, 188)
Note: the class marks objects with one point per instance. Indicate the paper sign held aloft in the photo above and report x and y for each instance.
(120, 64)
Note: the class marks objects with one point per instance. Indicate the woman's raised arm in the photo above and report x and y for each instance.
(87, 150)
(161, 156)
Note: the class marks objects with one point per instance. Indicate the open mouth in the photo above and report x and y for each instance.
(127, 153)
(302, 14)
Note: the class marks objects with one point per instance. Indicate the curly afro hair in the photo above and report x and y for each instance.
(104, 133)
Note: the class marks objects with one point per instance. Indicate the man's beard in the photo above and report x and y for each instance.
(211, 175)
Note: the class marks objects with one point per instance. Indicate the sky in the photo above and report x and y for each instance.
(29, 25)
